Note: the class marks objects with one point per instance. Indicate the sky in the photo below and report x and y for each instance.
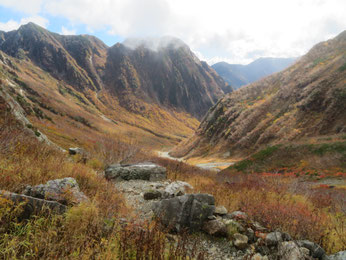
(216, 30)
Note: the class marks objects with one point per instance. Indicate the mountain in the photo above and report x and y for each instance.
(238, 75)
(70, 85)
(171, 76)
(303, 102)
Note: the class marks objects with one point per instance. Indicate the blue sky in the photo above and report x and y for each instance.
(57, 24)
(216, 30)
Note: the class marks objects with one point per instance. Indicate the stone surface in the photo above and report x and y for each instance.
(187, 211)
(215, 228)
(176, 188)
(273, 238)
(290, 251)
(65, 191)
(220, 210)
(33, 205)
(76, 150)
(142, 171)
(315, 250)
(152, 195)
(240, 241)
(338, 256)
(237, 215)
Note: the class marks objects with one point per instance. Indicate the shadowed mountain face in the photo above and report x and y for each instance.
(306, 100)
(170, 76)
(239, 75)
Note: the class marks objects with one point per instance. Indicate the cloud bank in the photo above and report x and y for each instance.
(236, 31)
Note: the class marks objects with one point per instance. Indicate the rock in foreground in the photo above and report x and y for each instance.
(65, 191)
(187, 211)
(142, 171)
(33, 205)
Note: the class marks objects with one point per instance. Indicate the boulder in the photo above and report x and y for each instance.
(220, 211)
(258, 227)
(152, 195)
(290, 251)
(273, 238)
(33, 205)
(215, 228)
(315, 250)
(233, 226)
(237, 215)
(240, 241)
(176, 188)
(187, 211)
(338, 256)
(65, 191)
(76, 150)
(142, 171)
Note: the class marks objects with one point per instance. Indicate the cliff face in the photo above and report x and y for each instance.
(306, 100)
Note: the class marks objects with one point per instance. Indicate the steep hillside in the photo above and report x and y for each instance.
(238, 75)
(305, 101)
(75, 88)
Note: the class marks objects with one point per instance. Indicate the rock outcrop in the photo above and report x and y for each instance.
(33, 205)
(65, 191)
(142, 171)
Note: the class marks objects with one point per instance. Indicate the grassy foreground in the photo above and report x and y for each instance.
(95, 230)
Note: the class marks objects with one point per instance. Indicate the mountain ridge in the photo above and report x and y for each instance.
(238, 75)
(82, 62)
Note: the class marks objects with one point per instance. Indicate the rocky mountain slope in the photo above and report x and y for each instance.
(73, 86)
(304, 101)
(238, 75)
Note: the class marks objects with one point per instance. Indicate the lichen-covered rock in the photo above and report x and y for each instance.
(176, 188)
(240, 241)
(273, 238)
(220, 210)
(187, 211)
(33, 205)
(142, 171)
(290, 251)
(215, 228)
(65, 191)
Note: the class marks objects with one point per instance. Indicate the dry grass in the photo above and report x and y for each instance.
(92, 230)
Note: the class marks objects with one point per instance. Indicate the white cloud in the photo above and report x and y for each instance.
(26, 6)
(233, 30)
(13, 25)
(65, 31)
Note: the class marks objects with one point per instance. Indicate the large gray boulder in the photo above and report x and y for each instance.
(187, 211)
(338, 256)
(290, 251)
(65, 191)
(273, 238)
(142, 171)
(33, 205)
